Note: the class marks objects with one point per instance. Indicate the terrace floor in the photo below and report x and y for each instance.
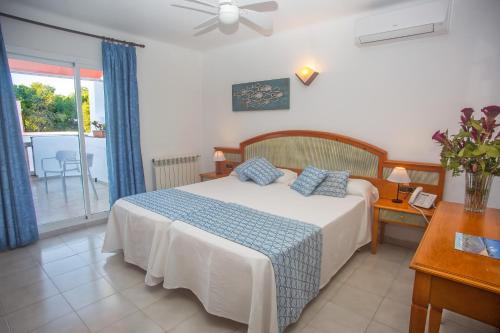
(51, 206)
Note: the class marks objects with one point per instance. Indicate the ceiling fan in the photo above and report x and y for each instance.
(227, 13)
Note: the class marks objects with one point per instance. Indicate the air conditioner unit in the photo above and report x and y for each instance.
(428, 18)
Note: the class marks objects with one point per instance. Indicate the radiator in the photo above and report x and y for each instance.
(176, 171)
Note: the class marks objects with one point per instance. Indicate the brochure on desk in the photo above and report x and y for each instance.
(478, 245)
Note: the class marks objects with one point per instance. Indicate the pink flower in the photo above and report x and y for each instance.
(491, 112)
(440, 137)
(488, 121)
(466, 115)
(474, 134)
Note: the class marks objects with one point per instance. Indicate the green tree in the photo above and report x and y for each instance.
(86, 110)
(45, 111)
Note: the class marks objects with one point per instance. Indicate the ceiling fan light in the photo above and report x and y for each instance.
(229, 14)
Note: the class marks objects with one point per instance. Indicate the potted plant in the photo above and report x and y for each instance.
(475, 150)
(100, 129)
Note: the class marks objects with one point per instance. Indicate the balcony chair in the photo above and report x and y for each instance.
(67, 162)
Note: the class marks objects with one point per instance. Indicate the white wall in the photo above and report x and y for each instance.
(169, 78)
(394, 95)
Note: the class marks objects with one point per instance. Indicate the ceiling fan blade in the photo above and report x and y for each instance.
(208, 23)
(259, 5)
(258, 22)
(206, 30)
(204, 3)
(195, 9)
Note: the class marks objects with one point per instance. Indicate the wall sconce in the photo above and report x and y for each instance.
(307, 75)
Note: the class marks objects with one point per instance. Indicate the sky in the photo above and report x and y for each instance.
(63, 86)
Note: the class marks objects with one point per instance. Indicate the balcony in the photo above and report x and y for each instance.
(60, 198)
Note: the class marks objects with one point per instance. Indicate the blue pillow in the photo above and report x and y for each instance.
(334, 185)
(240, 169)
(308, 180)
(262, 172)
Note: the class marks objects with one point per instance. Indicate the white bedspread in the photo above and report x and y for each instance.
(233, 281)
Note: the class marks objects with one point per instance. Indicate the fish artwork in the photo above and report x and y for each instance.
(262, 95)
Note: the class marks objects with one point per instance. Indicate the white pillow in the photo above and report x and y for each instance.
(363, 188)
(288, 178)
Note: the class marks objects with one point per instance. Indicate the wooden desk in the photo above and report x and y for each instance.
(446, 278)
(386, 211)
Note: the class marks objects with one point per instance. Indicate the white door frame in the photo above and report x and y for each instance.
(24, 54)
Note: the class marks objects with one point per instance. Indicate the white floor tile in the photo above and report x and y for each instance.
(332, 316)
(69, 323)
(47, 255)
(46, 243)
(142, 295)
(88, 293)
(393, 253)
(86, 244)
(377, 263)
(76, 278)
(467, 322)
(359, 301)
(371, 281)
(376, 327)
(173, 309)
(64, 265)
(23, 278)
(3, 326)
(38, 314)
(17, 265)
(394, 314)
(27, 295)
(137, 322)
(95, 255)
(121, 277)
(401, 291)
(106, 312)
(206, 323)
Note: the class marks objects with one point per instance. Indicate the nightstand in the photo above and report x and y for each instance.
(385, 211)
(212, 176)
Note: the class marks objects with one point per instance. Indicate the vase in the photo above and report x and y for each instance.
(477, 191)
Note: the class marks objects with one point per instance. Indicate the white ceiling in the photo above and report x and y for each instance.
(156, 19)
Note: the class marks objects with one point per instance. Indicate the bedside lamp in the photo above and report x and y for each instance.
(218, 159)
(399, 176)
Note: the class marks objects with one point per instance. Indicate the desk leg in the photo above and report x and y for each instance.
(435, 319)
(375, 230)
(382, 232)
(420, 302)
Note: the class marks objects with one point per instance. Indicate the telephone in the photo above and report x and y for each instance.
(422, 199)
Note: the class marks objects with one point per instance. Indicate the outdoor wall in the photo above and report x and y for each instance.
(96, 101)
(169, 77)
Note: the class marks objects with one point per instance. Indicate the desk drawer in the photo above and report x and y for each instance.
(386, 215)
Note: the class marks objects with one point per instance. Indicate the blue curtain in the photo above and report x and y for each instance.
(17, 212)
(125, 170)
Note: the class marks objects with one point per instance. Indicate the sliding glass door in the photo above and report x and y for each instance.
(61, 108)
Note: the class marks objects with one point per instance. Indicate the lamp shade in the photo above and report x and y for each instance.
(399, 175)
(219, 156)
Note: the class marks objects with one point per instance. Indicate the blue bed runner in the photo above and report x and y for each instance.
(294, 247)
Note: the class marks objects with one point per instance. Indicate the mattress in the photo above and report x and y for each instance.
(230, 280)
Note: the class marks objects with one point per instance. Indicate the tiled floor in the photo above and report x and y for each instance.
(51, 206)
(65, 284)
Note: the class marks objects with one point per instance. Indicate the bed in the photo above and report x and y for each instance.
(234, 281)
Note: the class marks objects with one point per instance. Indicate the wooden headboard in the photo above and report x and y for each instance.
(297, 149)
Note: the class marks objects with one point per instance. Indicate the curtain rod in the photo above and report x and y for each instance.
(70, 30)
